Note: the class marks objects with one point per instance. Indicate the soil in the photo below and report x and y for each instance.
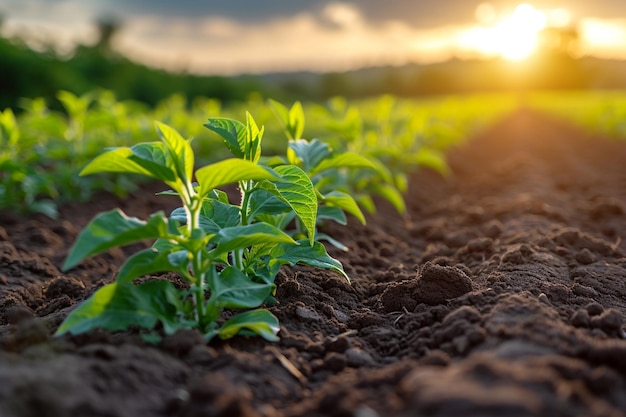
(501, 292)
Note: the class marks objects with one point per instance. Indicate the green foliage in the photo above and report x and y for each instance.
(226, 250)
(602, 112)
(42, 150)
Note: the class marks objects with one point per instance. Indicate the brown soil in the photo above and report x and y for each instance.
(503, 292)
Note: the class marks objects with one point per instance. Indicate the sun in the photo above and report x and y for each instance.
(514, 36)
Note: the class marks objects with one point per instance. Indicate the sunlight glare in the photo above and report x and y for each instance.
(513, 37)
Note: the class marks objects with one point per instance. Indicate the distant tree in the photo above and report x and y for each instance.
(108, 27)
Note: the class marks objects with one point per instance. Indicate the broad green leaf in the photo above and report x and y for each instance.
(310, 153)
(112, 229)
(206, 224)
(145, 159)
(332, 213)
(231, 288)
(392, 195)
(256, 322)
(312, 255)
(222, 214)
(239, 237)
(179, 150)
(295, 188)
(343, 160)
(229, 171)
(118, 306)
(263, 202)
(149, 261)
(345, 202)
(232, 131)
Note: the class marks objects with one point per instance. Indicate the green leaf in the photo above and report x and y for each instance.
(343, 160)
(179, 150)
(232, 131)
(324, 237)
(254, 135)
(312, 255)
(118, 306)
(232, 238)
(332, 213)
(9, 129)
(296, 120)
(392, 195)
(207, 225)
(111, 229)
(222, 214)
(367, 202)
(295, 188)
(150, 261)
(292, 120)
(430, 158)
(231, 288)
(229, 171)
(145, 159)
(263, 202)
(258, 322)
(310, 153)
(345, 202)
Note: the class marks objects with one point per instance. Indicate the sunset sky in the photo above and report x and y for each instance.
(235, 36)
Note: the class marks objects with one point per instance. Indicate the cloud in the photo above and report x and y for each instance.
(336, 37)
(255, 36)
(412, 12)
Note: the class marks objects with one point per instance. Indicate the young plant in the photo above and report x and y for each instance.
(327, 169)
(221, 249)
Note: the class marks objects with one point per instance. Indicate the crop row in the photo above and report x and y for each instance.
(43, 150)
(598, 112)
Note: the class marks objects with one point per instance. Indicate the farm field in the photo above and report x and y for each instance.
(501, 290)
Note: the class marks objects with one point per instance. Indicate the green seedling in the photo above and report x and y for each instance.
(328, 170)
(227, 254)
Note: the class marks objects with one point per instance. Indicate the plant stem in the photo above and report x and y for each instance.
(193, 206)
(244, 186)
